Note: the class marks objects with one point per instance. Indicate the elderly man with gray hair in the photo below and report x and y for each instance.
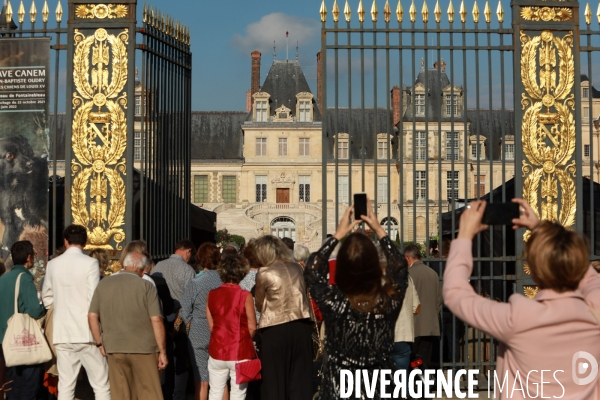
(132, 334)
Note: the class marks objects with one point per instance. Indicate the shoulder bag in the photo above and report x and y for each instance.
(24, 343)
(248, 370)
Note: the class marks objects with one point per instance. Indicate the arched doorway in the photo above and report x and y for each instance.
(283, 227)
(393, 229)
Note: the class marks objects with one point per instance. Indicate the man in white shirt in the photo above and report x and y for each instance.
(70, 282)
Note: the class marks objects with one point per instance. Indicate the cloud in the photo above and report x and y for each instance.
(272, 27)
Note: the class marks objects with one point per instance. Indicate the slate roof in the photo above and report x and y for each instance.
(490, 124)
(434, 81)
(283, 82)
(217, 134)
(354, 122)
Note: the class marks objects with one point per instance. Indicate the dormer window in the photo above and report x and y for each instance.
(509, 147)
(304, 109)
(283, 114)
(138, 105)
(585, 93)
(342, 146)
(451, 105)
(261, 111)
(420, 104)
(477, 149)
(261, 106)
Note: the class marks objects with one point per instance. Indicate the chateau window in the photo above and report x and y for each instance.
(229, 189)
(382, 147)
(261, 111)
(261, 188)
(200, 189)
(138, 105)
(261, 147)
(283, 147)
(342, 149)
(452, 149)
(304, 147)
(419, 104)
(420, 146)
(586, 112)
(585, 93)
(343, 189)
(586, 150)
(304, 188)
(137, 145)
(305, 107)
(476, 151)
(451, 105)
(479, 185)
(421, 185)
(509, 151)
(382, 189)
(452, 184)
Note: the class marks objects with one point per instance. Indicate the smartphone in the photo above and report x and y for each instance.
(500, 213)
(360, 205)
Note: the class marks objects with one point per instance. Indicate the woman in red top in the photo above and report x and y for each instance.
(232, 321)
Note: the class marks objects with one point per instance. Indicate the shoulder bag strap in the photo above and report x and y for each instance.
(17, 287)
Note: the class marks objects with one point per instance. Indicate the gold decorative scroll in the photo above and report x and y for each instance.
(101, 11)
(99, 136)
(530, 291)
(548, 76)
(546, 14)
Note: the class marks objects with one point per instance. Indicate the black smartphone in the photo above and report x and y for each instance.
(500, 213)
(360, 205)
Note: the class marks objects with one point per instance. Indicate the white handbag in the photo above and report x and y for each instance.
(24, 343)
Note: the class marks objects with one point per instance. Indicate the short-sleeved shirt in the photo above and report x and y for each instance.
(125, 303)
(177, 273)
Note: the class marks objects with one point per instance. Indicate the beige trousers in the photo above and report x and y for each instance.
(134, 377)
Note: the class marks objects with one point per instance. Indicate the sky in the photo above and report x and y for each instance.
(225, 32)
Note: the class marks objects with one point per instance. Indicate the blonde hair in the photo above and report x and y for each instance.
(558, 257)
(269, 249)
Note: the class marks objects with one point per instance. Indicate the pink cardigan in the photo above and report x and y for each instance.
(535, 334)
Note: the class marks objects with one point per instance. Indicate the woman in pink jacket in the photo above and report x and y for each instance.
(550, 345)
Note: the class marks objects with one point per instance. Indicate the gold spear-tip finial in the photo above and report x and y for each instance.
(32, 12)
(437, 11)
(335, 11)
(361, 11)
(450, 12)
(399, 11)
(500, 12)
(412, 12)
(323, 11)
(374, 11)
(598, 13)
(9, 13)
(588, 14)
(347, 12)
(463, 12)
(59, 12)
(487, 13)
(425, 11)
(387, 11)
(145, 14)
(21, 13)
(45, 11)
(475, 12)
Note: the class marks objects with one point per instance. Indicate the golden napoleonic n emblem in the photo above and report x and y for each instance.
(548, 75)
(99, 137)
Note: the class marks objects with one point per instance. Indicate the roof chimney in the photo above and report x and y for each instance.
(319, 83)
(255, 82)
(396, 104)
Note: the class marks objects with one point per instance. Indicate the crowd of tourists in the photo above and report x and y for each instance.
(271, 321)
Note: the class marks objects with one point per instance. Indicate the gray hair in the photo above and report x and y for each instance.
(135, 260)
(301, 253)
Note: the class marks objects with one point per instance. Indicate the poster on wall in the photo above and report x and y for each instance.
(24, 147)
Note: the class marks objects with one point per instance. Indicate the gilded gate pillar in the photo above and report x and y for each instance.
(548, 120)
(100, 109)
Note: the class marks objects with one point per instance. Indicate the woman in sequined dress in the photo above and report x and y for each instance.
(360, 311)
